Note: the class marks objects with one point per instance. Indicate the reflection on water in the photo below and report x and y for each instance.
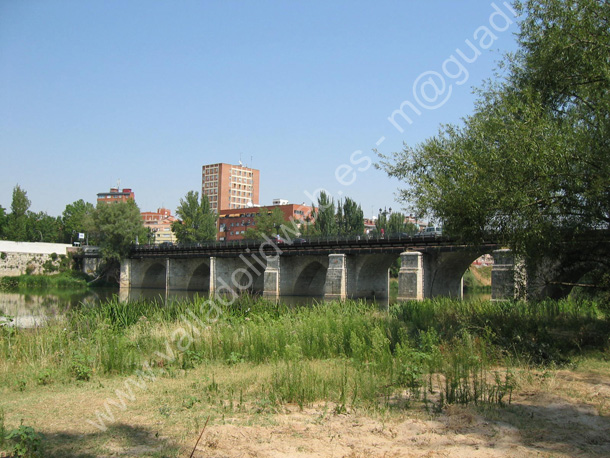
(35, 309)
(31, 309)
(160, 295)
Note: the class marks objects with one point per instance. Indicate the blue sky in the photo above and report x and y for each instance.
(149, 91)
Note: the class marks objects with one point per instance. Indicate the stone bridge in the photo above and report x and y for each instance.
(333, 269)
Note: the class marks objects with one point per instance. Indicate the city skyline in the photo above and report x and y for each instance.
(148, 93)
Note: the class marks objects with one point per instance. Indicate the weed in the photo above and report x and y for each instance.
(81, 369)
(26, 442)
(2, 430)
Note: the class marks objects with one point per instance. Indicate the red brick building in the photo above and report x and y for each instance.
(230, 186)
(115, 195)
(233, 223)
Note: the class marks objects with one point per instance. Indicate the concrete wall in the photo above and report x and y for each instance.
(17, 257)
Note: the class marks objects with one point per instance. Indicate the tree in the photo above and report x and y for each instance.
(3, 222)
(267, 224)
(325, 215)
(117, 227)
(350, 218)
(531, 165)
(75, 219)
(397, 224)
(42, 227)
(198, 221)
(17, 227)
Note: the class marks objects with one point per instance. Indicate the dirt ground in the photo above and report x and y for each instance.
(552, 414)
(537, 423)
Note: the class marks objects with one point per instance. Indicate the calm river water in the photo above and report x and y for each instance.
(34, 309)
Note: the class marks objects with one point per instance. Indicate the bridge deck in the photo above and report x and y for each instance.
(361, 245)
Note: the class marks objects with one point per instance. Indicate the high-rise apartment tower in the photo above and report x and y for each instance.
(230, 186)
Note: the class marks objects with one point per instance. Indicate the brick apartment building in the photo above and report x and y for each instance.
(115, 195)
(233, 223)
(230, 186)
(160, 224)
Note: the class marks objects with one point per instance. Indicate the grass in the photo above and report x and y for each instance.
(478, 279)
(72, 281)
(400, 349)
(258, 356)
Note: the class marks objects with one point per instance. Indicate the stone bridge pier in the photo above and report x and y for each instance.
(333, 276)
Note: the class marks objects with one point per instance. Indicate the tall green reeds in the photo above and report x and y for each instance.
(437, 351)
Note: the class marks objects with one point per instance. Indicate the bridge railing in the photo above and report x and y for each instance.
(296, 241)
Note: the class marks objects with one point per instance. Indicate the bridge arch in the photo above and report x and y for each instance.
(371, 276)
(556, 279)
(154, 277)
(200, 278)
(310, 280)
(248, 279)
(448, 268)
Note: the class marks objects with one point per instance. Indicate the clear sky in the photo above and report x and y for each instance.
(149, 91)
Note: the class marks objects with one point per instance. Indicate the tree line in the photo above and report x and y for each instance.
(114, 228)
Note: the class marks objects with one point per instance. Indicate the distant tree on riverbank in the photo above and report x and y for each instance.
(3, 222)
(115, 227)
(198, 221)
(75, 218)
(17, 224)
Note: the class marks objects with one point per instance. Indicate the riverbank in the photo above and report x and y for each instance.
(289, 375)
(69, 280)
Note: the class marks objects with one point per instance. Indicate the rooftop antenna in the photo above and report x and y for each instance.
(240, 159)
(118, 184)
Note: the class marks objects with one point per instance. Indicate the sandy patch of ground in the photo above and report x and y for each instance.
(553, 414)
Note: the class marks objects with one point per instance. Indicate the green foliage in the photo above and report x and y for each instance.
(3, 222)
(62, 281)
(27, 443)
(198, 221)
(43, 228)
(3, 431)
(17, 225)
(325, 216)
(76, 217)
(349, 352)
(531, 164)
(81, 367)
(350, 218)
(117, 227)
(267, 224)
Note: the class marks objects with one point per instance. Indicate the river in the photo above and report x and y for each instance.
(33, 309)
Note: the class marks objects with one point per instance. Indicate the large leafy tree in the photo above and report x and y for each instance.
(76, 218)
(116, 227)
(267, 224)
(17, 226)
(531, 165)
(42, 227)
(198, 222)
